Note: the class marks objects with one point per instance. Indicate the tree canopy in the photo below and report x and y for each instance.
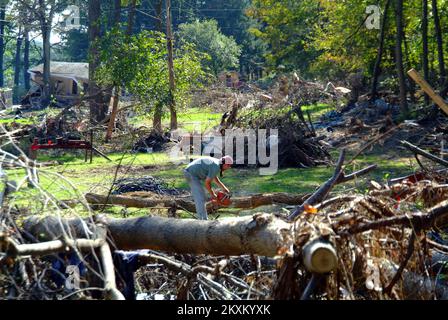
(224, 52)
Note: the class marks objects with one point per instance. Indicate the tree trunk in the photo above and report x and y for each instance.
(117, 13)
(46, 25)
(261, 234)
(111, 96)
(408, 64)
(438, 30)
(114, 102)
(147, 200)
(114, 91)
(17, 66)
(98, 109)
(26, 60)
(131, 17)
(159, 9)
(377, 69)
(47, 65)
(399, 56)
(425, 53)
(2, 43)
(169, 34)
(157, 119)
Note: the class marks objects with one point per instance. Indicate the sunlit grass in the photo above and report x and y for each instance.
(98, 177)
(316, 111)
(191, 119)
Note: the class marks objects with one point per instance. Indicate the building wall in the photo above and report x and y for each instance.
(64, 87)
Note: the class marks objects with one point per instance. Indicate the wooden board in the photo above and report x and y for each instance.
(428, 89)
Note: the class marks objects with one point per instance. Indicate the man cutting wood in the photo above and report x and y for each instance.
(202, 172)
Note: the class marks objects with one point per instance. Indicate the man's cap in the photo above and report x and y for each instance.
(227, 160)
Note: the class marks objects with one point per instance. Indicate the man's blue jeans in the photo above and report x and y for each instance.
(198, 193)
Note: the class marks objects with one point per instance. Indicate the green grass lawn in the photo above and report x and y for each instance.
(98, 177)
(192, 119)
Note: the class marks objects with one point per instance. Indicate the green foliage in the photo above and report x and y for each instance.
(329, 39)
(345, 44)
(75, 45)
(223, 51)
(138, 63)
(287, 27)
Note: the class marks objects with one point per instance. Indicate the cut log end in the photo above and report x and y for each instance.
(320, 257)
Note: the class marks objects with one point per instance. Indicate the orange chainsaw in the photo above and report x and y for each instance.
(222, 199)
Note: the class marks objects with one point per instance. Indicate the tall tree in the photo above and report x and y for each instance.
(425, 52)
(25, 18)
(18, 61)
(377, 68)
(158, 9)
(26, 58)
(131, 16)
(138, 63)
(399, 56)
(115, 97)
(117, 12)
(98, 109)
(3, 4)
(169, 35)
(439, 37)
(45, 13)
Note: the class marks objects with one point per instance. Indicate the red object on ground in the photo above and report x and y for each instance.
(61, 144)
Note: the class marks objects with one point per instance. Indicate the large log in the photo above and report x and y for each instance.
(261, 234)
(151, 200)
(140, 200)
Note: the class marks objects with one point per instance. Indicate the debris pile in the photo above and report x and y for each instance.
(282, 109)
(153, 143)
(148, 183)
(387, 243)
(298, 143)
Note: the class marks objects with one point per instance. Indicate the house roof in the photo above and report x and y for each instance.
(77, 70)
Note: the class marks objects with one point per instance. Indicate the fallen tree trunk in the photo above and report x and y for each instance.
(149, 200)
(138, 200)
(423, 153)
(261, 234)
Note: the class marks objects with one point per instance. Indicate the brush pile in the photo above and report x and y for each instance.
(149, 184)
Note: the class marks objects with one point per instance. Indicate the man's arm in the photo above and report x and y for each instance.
(221, 185)
(208, 186)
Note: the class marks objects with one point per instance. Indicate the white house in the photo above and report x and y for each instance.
(68, 79)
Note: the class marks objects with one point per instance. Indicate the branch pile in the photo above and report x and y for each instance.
(385, 244)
